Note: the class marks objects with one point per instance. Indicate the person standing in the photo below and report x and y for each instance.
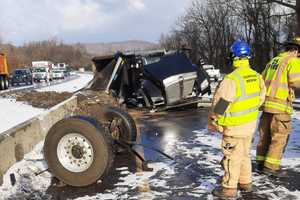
(235, 110)
(281, 75)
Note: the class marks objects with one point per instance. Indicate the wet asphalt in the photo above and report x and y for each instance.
(156, 130)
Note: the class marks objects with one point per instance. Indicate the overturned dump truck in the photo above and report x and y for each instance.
(156, 80)
(80, 150)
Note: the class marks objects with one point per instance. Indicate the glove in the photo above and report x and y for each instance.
(213, 126)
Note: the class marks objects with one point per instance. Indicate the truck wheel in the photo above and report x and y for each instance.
(6, 83)
(121, 125)
(2, 85)
(78, 151)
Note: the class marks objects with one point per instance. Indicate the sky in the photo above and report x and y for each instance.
(88, 21)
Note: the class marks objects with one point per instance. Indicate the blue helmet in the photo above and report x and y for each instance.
(240, 49)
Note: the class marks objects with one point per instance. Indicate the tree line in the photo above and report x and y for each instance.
(51, 50)
(209, 28)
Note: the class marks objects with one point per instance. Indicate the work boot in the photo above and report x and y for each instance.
(246, 187)
(225, 193)
(276, 173)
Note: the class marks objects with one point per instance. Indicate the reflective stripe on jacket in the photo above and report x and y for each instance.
(245, 107)
(277, 76)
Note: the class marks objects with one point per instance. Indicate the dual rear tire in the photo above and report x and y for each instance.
(4, 83)
(79, 150)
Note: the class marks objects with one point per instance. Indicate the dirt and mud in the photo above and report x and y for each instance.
(44, 100)
(89, 101)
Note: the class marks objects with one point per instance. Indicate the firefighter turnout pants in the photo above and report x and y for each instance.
(237, 160)
(274, 130)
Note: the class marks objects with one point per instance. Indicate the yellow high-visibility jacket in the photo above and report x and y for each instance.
(280, 72)
(245, 107)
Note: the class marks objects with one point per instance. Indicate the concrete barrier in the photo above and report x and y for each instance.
(21, 139)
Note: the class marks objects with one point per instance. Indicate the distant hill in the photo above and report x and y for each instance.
(98, 49)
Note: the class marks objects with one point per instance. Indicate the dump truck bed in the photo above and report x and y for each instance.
(3, 65)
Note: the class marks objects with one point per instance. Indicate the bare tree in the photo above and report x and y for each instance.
(209, 27)
(292, 4)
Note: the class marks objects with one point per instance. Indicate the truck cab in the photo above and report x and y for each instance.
(41, 73)
(42, 70)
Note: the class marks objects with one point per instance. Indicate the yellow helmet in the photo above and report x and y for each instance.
(294, 42)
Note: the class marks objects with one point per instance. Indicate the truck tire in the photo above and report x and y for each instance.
(78, 151)
(6, 83)
(2, 84)
(122, 125)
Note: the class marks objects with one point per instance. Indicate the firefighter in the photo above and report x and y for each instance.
(235, 110)
(281, 75)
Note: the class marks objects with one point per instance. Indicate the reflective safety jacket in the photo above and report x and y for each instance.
(245, 107)
(278, 75)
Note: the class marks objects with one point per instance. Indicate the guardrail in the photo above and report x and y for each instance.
(21, 139)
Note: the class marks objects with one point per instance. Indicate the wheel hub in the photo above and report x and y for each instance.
(75, 152)
(115, 128)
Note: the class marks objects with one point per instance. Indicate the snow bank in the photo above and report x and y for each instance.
(26, 180)
(13, 113)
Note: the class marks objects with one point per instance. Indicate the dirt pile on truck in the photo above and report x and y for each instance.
(91, 103)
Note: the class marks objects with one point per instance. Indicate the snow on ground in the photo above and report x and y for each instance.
(70, 86)
(13, 113)
(199, 162)
(27, 183)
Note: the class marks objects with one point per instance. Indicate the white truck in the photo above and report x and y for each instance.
(213, 73)
(42, 70)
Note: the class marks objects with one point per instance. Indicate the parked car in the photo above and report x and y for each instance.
(21, 76)
(155, 80)
(58, 74)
